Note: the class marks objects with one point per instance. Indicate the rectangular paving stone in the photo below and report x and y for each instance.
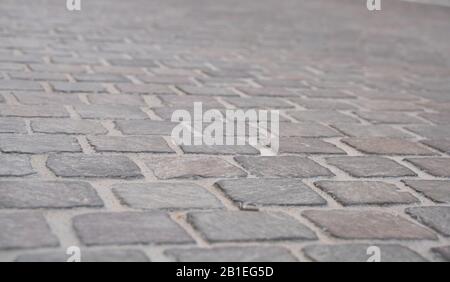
(126, 228)
(235, 254)
(172, 167)
(239, 226)
(12, 125)
(435, 166)
(436, 190)
(389, 105)
(299, 145)
(33, 111)
(47, 194)
(370, 166)
(79, 87)
(358, 253)
(132, 144)
(67, 126)
(387, 146)
(99, 77)
(360, 224)
(389, 117)
(19, 85)
(268, 91)
(328, 117)
(326, 93)
(38, 144)
(168, 80)
(166, 196)
(87, 255)
(183, 101)
(431, 131)
(322, 104)
(283, 166)
(437, 118)
(258, 103)
(269, 192)
(99, 166)
(116, 99)
(133, 62)
(25, 230)
(306, 129)
(38, 76)
(40, 98)
(146, 127)
(207, 91)
(13, 165)
(442, 145)
(350, 193)
(371, 131)
(220, 149)
(110, 112)
(437, 218)
(154, 89)
(59, 68)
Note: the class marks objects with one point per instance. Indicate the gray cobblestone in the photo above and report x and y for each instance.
(350, 193)
(437, 218)
(125, 228)
(388, 146)
(434, 166)
(168, 196)
(122, 255)
(371, 131)
(33, 111)
(93, 166)
(84, 87)
(208, 91)
(116, 99)
(67, 126)
(442, 145)
(40, 98)
(12, 125)
(134, 144)
(224, 226)
(110, 112)
(370, 167)
(306, 129)
(350, 224)
(19, 85)
(38, 144)
(283, 166)
(296, 145)
(40, 194)
(389, 117)
(328, 117)
(11, 165)
(436, 190)
(22, 230)
(146, 127)
(270, 192)
(235, 254)
(192, 167)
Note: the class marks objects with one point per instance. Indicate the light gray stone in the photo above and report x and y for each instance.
(38, 144)
(437, 218)
(133, 144)
(87, 255)
(370, 166)
(11, 165)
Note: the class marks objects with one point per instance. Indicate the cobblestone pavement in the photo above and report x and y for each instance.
(87, 159)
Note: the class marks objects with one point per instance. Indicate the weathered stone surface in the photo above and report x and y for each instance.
(355, 224)
(443, 252)
(268, 91)
(81, 87)
(19, 85)
(298, 145)
(11, 165)
(437, 218)
(146, 127)
(430, 131)
(125, 228)
(110, 112)
(133, 144)
(100, 77)
(38, 144)
(328, 117)
(220, 149)
(258, 103)
(22, 230)
(350, 193)
(169, 196)
(437, 118)
(269, 192)
(116, 99)
(306, 129)
(388, 146)
(208, 91)
(434, 166)
(225, 226)
(47, 194)
(358, 253)
(370, 166)
(67, 126)
(33, 111)
(442, 145)
(154, 89)
(42, 98)
(235, 254)
(87, 255)
(371, 131)
(192, 167)
(436, 190)
(322, 104)
(389, 117)
(93, 166)
(183, 101)
(283, 166)
(12, 125)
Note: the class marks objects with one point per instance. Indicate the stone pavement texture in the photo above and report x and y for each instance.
(86, 157)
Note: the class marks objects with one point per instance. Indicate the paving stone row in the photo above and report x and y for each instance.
(85, 126)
